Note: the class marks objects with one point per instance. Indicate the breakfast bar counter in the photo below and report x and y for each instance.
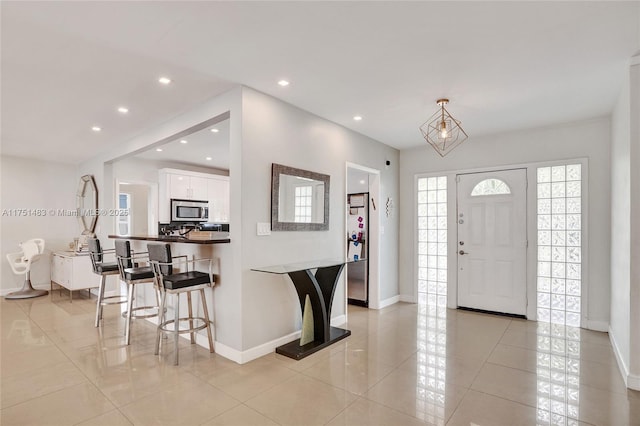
(223, 238)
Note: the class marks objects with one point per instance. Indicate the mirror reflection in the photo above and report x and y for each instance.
(299, 199)
(87, 204)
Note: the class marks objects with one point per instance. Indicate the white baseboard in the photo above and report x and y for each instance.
(223, 350)
(242, 357)
(338, 321)
(597, 325)
(407, 298)
(633, 382)
(388, 302)
(624, 370)
(6, 291)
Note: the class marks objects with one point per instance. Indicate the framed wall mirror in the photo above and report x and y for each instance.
(87, 204)
(299, 199)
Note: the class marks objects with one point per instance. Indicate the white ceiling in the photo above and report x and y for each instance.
(67, 66)
(200, 145)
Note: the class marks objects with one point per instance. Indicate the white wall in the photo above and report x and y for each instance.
(634, 297)
(624, 330)
(277, 132)
(621, 224)
(34, 184)
(584, 139)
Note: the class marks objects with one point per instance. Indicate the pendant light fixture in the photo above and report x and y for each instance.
(442, 131)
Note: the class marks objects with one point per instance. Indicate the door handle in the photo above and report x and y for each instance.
(462, 252)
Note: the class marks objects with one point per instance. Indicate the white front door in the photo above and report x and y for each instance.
(492, 241)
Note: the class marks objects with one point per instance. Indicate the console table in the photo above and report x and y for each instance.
(320, 288)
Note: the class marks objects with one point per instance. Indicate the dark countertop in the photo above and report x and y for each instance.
(222, 239)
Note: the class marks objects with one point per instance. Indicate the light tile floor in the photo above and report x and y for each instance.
(403, 365)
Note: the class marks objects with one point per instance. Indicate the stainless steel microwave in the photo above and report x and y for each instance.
(189, 210)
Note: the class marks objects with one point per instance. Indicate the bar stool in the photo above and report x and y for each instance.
(104, 269)
(172, 282)
(133, 274)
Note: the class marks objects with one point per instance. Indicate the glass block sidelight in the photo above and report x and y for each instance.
(558, 374)
(431, 362)
(559, 223)
(432, 240)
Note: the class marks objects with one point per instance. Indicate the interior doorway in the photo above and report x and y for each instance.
(358, 248)
(362, 221)
(492, 241)
(140, 201)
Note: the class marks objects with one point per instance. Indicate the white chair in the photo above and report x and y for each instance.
(21, 264)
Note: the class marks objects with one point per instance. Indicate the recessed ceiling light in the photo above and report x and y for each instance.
(183, 141)
(362, 182)
(215, 130)
(159, 149)
(283, 83)
(123, 110)
(96, 128)
(208, 158)
(357, 117)
(164, 80)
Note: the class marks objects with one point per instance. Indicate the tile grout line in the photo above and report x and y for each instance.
(484, 362)
(45, 332)
(455, 410)
(342, 411)
(91, 382)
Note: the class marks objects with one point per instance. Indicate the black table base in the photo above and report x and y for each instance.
(297, 352)
(320, 287)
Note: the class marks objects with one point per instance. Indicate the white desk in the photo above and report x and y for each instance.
(73, 272)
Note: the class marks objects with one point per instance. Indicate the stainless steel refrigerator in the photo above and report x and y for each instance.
(358, 248)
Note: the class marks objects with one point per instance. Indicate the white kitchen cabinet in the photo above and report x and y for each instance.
(199, 189)
(218, 196)
(73, 272)
(178, 186)
(186, 185)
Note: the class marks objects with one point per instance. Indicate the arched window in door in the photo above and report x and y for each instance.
(491, 187)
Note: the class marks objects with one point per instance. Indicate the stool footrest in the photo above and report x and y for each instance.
(164, 326)
(139, 308)
(109, 301)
